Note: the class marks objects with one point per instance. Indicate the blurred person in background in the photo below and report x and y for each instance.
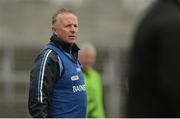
(154, 72)
(95, 108)
(57, 86)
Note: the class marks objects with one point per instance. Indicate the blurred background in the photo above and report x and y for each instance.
(25, 27)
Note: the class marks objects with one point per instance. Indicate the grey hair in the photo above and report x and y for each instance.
(87, 46)
(60, 11)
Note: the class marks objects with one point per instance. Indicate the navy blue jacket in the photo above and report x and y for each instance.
(56, 82)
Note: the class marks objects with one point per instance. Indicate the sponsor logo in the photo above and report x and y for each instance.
(79, 88)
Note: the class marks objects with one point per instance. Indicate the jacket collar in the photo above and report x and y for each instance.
(63, 45)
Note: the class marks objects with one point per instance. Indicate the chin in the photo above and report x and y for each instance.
(72, 42)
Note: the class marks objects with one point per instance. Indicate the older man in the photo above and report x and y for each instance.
(56, 82)
(93, 82)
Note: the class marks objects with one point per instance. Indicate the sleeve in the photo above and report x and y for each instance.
(42, 78)
(99, 97)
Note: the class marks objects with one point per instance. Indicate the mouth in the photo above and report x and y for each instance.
(72, 36)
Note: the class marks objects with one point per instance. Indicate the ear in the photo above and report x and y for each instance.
(53, 30)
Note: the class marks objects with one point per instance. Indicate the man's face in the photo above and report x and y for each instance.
(66, 27)
(87, 58)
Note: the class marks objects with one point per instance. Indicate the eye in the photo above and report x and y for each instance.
(69, 25)
(75, 26)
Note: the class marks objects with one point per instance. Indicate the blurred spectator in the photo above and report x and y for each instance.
(93, 82)
(154, 74)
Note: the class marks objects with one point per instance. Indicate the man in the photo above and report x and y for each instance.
(56, 81)
(93, 83)
(154, 75)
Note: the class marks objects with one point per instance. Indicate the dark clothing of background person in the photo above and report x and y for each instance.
(154, 71)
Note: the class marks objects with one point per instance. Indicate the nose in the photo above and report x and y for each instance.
(73, 29)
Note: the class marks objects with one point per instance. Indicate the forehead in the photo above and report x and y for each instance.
(67, 17)
(88, 52)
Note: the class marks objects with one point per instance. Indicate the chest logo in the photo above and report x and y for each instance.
(74, 78)
(78, 69)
